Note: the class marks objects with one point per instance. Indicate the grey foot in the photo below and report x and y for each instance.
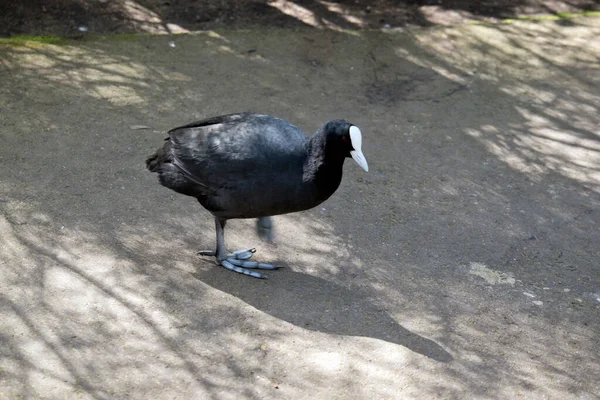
(240, 254)
(236, 262)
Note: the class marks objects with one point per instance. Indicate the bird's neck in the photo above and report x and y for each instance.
(322, 168)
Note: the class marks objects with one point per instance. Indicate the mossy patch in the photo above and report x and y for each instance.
(56, 40)
(20, 39)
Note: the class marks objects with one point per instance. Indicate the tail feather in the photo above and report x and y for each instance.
(162, 155)
(170, 175)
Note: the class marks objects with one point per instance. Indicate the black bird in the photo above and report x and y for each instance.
(254, 166)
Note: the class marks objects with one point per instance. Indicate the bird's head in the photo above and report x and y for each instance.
(346, 139)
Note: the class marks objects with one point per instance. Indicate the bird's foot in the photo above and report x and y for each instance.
(237, 262)
(240, 254)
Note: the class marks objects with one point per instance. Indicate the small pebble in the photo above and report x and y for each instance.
(82, 28)
(566, 290)
(529, 294)
(538, 303)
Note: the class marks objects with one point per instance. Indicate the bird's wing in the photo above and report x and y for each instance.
(216, 121)
(219, 151)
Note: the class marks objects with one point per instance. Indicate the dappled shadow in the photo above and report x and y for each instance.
(97, 256)
(550, 136)
(77, 18)
(78, 316)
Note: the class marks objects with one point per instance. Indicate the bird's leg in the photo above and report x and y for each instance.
(235, 261)
(264, 228)
(221, 252)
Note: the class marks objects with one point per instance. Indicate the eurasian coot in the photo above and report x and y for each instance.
(254, 166)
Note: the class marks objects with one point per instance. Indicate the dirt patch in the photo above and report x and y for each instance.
(79, 17)
(463, 265)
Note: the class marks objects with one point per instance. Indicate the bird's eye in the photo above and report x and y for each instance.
(344, 139)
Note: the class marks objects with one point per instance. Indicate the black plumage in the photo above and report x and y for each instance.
(254, 166)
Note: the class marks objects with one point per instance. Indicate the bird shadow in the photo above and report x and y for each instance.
(313, 303)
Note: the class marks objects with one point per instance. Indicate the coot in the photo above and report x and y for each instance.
(254, 166)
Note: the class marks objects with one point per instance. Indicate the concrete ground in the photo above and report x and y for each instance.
(465, 264)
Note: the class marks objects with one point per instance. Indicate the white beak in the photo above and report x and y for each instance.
(360, 159)
(357, 155)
